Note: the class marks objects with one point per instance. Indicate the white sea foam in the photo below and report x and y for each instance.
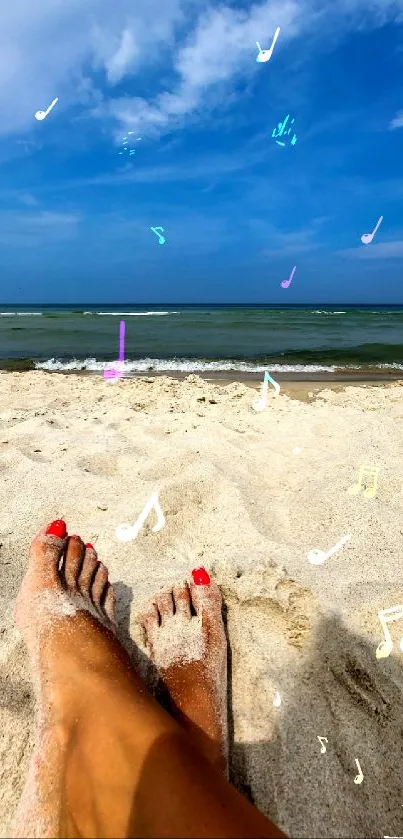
(184, 365)
(20, 314)
(132, 314)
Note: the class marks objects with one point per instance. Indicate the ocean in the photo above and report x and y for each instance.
(238, 341)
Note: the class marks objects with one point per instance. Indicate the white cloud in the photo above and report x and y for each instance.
(50, 48)
(20, 230)
(28, 200)
(383, 250)
(397, 121)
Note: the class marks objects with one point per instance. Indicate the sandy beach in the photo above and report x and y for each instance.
(248, 495)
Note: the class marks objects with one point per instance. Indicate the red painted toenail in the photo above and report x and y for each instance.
(88, 545)
(200, 577)
(57, 528)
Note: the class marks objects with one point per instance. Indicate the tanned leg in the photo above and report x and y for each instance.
(108, 761)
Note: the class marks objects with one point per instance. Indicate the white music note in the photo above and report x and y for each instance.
(316, 556)
(323, 747)
(366, 238)
(358, 778)
(127, 532)
(260, 404)
(161, 239)
(42, 114)
(265, 55)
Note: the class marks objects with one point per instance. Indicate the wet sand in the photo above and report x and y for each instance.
(248, 495)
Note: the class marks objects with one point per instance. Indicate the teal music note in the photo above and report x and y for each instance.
(281, 127)
(161, 239)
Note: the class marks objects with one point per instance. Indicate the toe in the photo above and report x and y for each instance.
(181, 598)
(165, 605)
(45, 555)
(207, 600)
(150, 621)
(89, 566)
(98, 586)
(110, 603)
(72, 563)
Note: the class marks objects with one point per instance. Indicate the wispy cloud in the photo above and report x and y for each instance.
(50, 48)
(397, 121)
(383, 250)
(19, 229)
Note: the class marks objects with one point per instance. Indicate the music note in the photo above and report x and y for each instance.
(281, 127)
(127, 532)
(286, 283)
(358, 778)
(161, 239)
(125, 142)
(316, 556)
(366, 473)
(386, 616)
(42, 114)
(260, 404)
(323, 749)
(277, 699)
(116, 372)
(265, 55)
(366, 238)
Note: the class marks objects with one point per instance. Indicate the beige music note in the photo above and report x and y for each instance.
(366, 474)
(360, 777)
(127, 532)
(386, 616)
(323, 747)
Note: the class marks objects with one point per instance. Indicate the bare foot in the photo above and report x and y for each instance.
(65, 611)
(190, 653)
(64, 576)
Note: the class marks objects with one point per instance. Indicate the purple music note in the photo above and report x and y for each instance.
(286, 283)
(116, 372)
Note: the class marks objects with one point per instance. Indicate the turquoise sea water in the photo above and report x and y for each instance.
(318, 341)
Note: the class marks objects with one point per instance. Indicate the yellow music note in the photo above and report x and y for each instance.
(386, 616)
(366, 474)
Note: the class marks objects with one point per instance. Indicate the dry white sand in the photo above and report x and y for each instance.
(239, 501)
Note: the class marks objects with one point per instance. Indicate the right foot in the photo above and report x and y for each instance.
(190, 653)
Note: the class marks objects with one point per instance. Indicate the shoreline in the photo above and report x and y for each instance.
(367, 376)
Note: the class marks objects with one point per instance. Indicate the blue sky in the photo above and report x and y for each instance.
(238, 210)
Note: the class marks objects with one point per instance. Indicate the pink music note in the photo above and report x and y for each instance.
(286, 283)
(116, 372)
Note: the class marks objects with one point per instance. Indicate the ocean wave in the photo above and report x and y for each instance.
(132, 314)
(393, 365)
(147, 365)
(324, 312)
(19, 314)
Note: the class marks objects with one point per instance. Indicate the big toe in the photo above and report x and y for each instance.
(43, 571)
(45, 555)
(207, 601)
